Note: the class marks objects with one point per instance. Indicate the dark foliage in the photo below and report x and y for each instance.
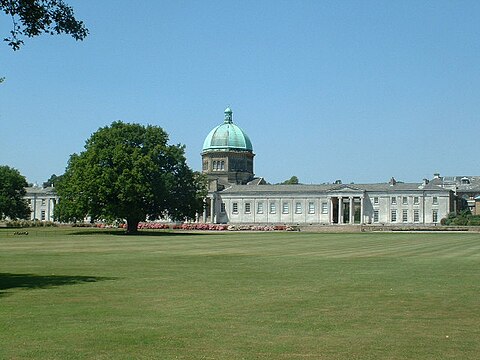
(35, 17)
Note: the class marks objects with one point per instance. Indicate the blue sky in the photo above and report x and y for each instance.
(354, 90)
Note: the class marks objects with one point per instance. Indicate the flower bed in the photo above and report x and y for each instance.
(211, 227)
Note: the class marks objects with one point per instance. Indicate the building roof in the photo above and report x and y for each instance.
(227, 136)
(344, 188)
(459, 183)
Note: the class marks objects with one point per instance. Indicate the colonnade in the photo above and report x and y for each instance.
(338, 217)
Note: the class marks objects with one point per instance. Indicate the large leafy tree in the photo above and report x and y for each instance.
(12, 192)
(128, 171)
(34, 17)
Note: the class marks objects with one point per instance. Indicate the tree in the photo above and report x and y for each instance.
(35, 17)
(292, 181)
(12, 192)
(52, 181)
(128, 171)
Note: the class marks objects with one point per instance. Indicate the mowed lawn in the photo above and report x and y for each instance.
(90, 294)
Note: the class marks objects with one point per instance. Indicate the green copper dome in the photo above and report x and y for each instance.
(227, 136)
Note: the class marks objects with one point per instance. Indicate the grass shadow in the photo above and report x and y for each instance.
(31, 281)
(120, 232)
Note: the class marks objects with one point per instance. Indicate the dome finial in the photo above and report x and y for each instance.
(228, 115)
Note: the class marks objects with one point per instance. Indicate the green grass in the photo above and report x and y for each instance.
(83, 294)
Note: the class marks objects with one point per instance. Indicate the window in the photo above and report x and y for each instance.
(324, 208)
(404, 215)
(416, 216)
(285, 208)
(435, 200)
(298, 207)
(375, 216)
(435, 216)
(416, 200)
(247, 208)
(311, 207)
(273, 208)
(394, 200)
(222, 207)
(218, 165)
(260, 208)
(44, 202)
(405, 200)
(42, 214)
(235, 208)
(375, 200)
(394, 216)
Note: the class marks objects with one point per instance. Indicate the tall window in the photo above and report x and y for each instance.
(324, 208)
(235, 208)
(42, 215)
(394, 200)
(311, 207)
(285, 209)
(405, 200)
(404, 215)
(44, 202)
(247, 208)
(375, 200)
(273, 208)
(222, 207)
(298, 207)
(435, 216)
(416, 215)
(435, 200)
(394, 216)
(260, 208)
(375, 216)
(416, 200)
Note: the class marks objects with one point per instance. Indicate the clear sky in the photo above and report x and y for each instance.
(354, 90)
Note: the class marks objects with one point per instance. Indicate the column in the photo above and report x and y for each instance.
(330, 210)
(340, 210)
(212, 209)
(205, 211)
(350, 213)
(361, 210)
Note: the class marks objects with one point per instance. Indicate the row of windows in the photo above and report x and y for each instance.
(273, 207)
(42, 201)
(416, 200)
(416, 216)
(218, 165)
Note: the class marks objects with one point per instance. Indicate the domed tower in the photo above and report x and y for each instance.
(227, 154)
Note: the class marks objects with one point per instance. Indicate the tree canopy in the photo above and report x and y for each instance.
(12, 192)
(52, 181)
(292, 181)
(34, 17)
(128, 171)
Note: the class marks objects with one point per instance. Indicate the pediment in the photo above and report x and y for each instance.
(345, 188)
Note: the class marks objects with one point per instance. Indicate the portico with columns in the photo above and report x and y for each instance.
(346, 208)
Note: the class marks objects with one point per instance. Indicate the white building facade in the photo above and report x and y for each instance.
(237, 197)
(42, 202)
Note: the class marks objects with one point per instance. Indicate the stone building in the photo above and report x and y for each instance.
(236, 196)
(42, 202)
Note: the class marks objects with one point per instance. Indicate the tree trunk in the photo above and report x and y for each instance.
(132, 226)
